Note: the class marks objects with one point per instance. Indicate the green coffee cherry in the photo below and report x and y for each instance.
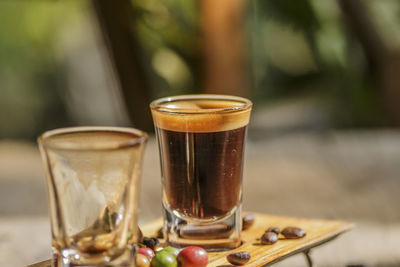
(164, 259)
(172, 250)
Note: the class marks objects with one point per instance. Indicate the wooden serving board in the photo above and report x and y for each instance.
(318, 233)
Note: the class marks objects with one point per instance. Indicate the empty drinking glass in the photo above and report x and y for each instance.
(92, 180)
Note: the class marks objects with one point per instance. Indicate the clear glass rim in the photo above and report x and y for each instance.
(141, 138)
(157, 104)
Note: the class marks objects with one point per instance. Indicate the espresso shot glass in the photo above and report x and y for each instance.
(201, 142)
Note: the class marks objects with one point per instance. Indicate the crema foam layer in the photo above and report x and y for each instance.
(201, 116)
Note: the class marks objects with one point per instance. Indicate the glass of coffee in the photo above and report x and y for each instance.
(201, 141)
(92, 180)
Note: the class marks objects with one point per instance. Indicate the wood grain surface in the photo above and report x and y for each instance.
(318, 232)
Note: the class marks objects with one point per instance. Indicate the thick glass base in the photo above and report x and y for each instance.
(217, 235)
(70, 258)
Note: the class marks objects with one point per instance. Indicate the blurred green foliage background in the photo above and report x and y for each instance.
(301, 49)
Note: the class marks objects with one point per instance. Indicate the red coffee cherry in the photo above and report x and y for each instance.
(147, 252)
(192, 257)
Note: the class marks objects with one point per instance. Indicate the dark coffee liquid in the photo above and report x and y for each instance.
(202, 172)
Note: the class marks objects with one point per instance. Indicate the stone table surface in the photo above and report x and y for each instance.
(336, 175)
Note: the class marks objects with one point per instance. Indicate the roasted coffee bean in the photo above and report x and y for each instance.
(151, 242)
(293, 232)
(269, 238)
(275, 230)
(238, 258)
(247, 221)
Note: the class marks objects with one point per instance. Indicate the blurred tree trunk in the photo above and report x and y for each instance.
(391, 85)
(384, 64)
(361, 25)
(225, 52)
(116, 23)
